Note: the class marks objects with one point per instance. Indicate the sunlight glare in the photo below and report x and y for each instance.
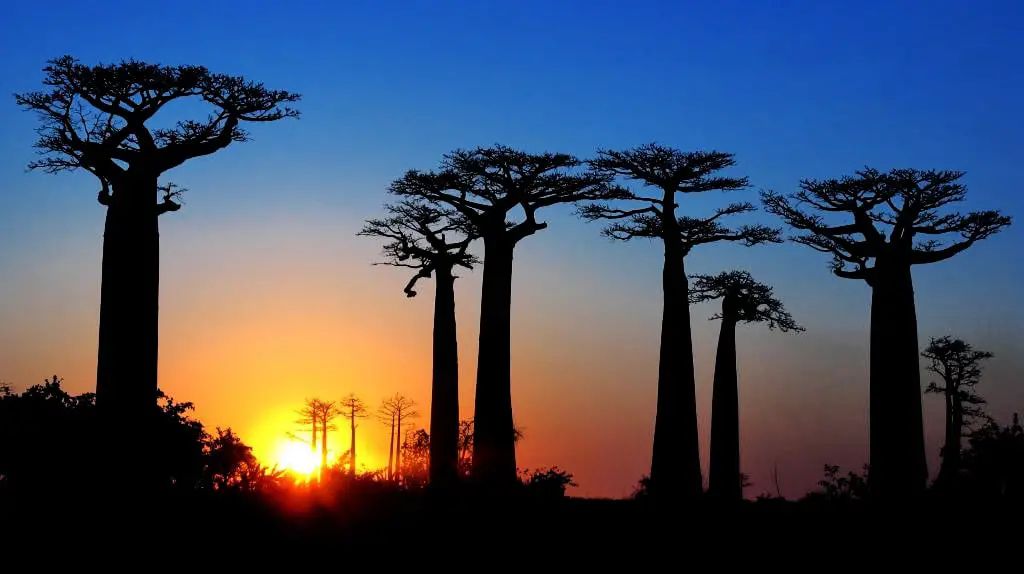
(297, 457)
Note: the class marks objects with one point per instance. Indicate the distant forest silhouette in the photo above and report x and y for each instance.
(874, 225)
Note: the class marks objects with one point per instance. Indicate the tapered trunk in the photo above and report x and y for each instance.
(954, 427)
(398, 448)
(494, 451)
(323, 447)
(724, 481)
(312, 441)
(391, 451)
(126, 370)
(444, 398)
(352, 444)
(675, 461)
(898, 466)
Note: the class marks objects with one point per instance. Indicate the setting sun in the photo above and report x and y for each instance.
(297, 458)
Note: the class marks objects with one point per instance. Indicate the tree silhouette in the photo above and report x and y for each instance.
(744, 300)
(958, 365)
(319, 413)
(675, 462)
(94, 118)
(387, 415)
(352, 407)
(399, 408)
(485, 185)
(891, 212)
(417, 235)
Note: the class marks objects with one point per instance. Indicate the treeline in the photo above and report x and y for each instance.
(874, 225)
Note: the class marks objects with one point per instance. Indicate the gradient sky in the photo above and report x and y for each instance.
(268, 297)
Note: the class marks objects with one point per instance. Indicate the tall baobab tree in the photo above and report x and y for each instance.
(744, 300)
(352, 407)
(675, 460)
(486, 186)
(386, 415)
(309, 416)
(958, 366)
(398, 408)
(894, 220)
(433, 241)
(95, 118)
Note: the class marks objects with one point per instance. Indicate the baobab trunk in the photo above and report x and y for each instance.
(444, 399)
(898, 466)
(398, 448)
(954, 425)
(126, 368)
(494, 450)
(323, 447)
(724, 481)
(675, 460)
(391, 450)
(352, 445)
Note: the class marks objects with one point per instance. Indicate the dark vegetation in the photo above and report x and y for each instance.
(136, 457)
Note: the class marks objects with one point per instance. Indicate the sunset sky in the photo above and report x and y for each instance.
(268, 297)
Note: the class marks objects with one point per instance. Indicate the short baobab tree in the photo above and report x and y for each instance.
(893, 221)
(958, 366)
(487, 186)
(675, 461)
(95, 118)
(744, 300)
(433, 240)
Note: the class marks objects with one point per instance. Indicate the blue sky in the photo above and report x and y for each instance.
(794, 89)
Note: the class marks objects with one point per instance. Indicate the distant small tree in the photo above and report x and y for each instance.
(352, 407)
(399, 408)
(995, 461)
(838, 487)
(94, 118)
(744, 300)
(547, 482)
(228, 459)
(958, 366)
(675, 462)
(486, 186)
(416, 458)
(320, 413)
(894, 221)
(434, 241)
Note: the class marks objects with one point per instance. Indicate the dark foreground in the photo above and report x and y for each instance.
(508, 534)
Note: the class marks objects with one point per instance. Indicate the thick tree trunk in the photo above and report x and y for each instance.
(898, 465)
(494, 451)
(444, 399)
(954, 426)
(724, 482)
(398, 448)
(352, 445)
(675, 461)
(126, 370)
(391, 451)
(323, 447)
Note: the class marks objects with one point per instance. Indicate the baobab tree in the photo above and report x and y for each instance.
(894, 220)
(319, 413)
(398, 408)
(433, 241)
(486, 186)
(744, 300)
(95, 118)
(958, 366)
(675, 460)
(352, 407)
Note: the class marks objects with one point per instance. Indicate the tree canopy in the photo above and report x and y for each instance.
(901, 210)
